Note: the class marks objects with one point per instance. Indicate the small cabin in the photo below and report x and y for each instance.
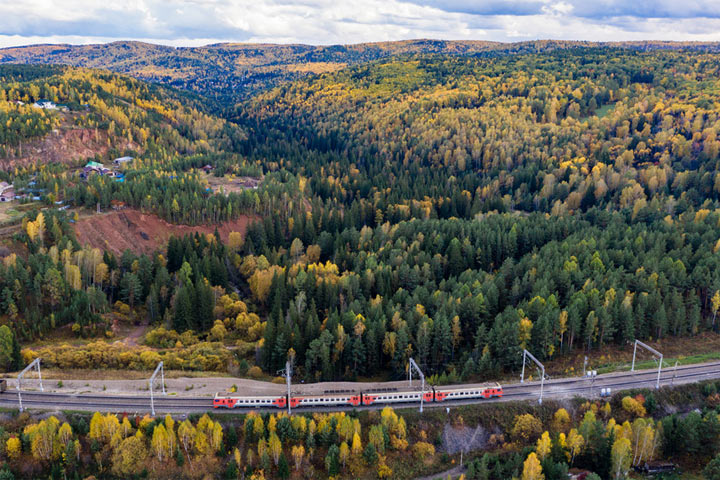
(8, 195)
(122, 160)
(7, 192)
(45, 104)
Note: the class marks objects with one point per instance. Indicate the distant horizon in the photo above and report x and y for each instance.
(193, 23)
(350, 44)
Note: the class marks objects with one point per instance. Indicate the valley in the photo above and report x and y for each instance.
(354, 214)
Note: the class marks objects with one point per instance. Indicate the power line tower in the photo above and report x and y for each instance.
(34, 364)
(287, 373)
(655, 353)
(412, 365)
(541, 367)
(160, 368)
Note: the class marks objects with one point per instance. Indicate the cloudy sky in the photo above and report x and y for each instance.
(199, 22)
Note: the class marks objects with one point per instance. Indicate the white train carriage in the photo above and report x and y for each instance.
(249, 402)
(326, 400)
(370, 398)
(458, 392)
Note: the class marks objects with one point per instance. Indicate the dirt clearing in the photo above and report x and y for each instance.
(142, 232)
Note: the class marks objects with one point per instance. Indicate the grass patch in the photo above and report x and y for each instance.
(604, 110)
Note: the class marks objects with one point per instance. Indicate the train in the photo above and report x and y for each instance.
(337, 398)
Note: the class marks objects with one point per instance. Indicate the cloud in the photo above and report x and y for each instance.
(189, 22)
(641, 9)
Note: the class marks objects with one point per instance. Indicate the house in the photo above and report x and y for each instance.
(207, 168)
(249, 182)
(94, 165)
(46, 104)
(121, 160)
(8, 195)
(7, 192)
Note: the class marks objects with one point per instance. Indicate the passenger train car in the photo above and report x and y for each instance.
(369, 397)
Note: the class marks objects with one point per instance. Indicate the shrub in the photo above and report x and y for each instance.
(561, 420)
(13, 448)
(527, 428)
(255, 372)
(633, 407)
(423, 450)
(712, 470)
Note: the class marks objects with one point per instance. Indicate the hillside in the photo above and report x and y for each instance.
(554, 132)
(465, 208)
(97, 114)
(235, 71)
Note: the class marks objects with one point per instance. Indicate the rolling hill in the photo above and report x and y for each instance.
(97, 114)
(234, 71)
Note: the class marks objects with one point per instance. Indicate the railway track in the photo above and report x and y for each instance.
(559, 388)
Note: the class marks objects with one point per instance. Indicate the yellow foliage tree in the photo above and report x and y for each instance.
(526, 428)
(423, 450)
(13, 448)
(561, 420)
(532, 470)
(160, 442)
(275, 447)
(575, 442)
(298, 452)
(357, 447)
(235, 241)
(621, 457)
(344, 453)
(544, 444)
(129, 458)
(633, 407)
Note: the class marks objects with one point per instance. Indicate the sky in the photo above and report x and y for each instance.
(200, 22)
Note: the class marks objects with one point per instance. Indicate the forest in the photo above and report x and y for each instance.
(600, 439)
(472, 207)
(453, 209)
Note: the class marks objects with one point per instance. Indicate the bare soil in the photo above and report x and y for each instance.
(230, 183)
(63, 145)
(142, 232)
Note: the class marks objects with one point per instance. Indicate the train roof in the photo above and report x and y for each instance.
(325, 395)
(236, 395)
(475, 386)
